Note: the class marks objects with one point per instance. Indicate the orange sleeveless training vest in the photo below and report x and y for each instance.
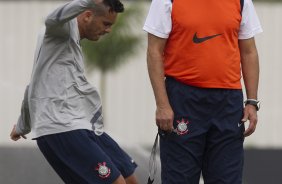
(202, 49)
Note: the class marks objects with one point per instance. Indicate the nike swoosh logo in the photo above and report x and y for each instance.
(196, 39)
(240, 124)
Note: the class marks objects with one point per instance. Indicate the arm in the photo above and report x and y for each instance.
(56, 21)
(164, 113)
(68, 11)
(250, 71)
(23, 125)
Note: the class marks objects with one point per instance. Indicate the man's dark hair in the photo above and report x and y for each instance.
(115, 5)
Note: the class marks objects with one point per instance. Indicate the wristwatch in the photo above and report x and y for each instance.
(253, 102)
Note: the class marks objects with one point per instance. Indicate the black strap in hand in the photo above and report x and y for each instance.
(152, 162)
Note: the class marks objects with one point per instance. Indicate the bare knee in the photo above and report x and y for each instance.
(131, 179)
(119, 180)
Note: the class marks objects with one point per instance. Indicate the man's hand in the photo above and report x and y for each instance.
(164, 118)
(250, 113)
(14, 135)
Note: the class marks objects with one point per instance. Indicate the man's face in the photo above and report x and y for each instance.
(99, 25)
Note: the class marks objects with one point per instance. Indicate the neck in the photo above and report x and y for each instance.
(80, 28)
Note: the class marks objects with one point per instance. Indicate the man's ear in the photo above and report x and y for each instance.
(87, 16)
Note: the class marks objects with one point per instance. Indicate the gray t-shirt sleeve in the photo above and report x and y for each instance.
(67, 12)
(56, 21)
(23, 125)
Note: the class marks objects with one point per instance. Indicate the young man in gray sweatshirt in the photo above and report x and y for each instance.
(60, 106)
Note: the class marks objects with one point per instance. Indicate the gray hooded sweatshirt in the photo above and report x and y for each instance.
(59, 98)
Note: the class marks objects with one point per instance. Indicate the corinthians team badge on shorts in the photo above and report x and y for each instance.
(103, 170)
(182, 126)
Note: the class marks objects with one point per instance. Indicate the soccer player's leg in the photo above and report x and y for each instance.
(223, 162)
(182, 154)
(120, 158)
(131, 179)
(77, 158)
(182, 151)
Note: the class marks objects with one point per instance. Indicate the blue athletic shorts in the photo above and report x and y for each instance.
(81, 157)
(208, 136)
